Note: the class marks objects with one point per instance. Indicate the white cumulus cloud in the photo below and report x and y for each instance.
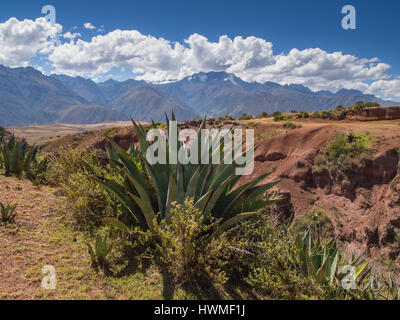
(89, 26)
(385, 88)
(22, 40)
(159, 60)
(71, 36)
(251, 59)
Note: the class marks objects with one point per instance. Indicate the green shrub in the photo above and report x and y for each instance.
(317, 115)
(372, 104)
(350, 149)
(318, 221)
(291, 126)
(305, 114)
(340, 108)
(8, 213)
(88, 202)
(245, 116)
(20, 159)
(264, 255)
(278, 116)
(186, 249)
(320, 160)
(99, 252)
(326, 264)
(359, 106)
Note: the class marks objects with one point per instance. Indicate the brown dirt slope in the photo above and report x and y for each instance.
(367, 219)
(377, 113)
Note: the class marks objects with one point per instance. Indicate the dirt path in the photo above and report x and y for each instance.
(42, 237)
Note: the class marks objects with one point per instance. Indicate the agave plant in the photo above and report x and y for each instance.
(38, 168)
(18, 157)
(7, 213)
(100, 251)
(381, 288)
(325, 264)
(149, 189)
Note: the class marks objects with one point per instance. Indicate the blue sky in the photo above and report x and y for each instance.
(286, 25)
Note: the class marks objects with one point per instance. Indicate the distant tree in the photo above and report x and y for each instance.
(372, 104)
(245, 116)
(358, 107)
(278, 116)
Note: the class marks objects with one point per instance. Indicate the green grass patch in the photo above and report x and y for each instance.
(346, 151)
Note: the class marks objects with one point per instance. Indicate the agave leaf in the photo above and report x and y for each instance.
(160, 179)
(215, 196)
(172, 197)
(232, 221)
(140, 132)
(333, 267)
(117, 224)
(360, 269)
(147, 210)
(192, 185)
(233, 197)
(202, 202)
(124, 199)
(91, 253)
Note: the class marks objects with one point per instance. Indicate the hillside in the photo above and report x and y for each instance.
(353, 198)
(29, 97)
(292, 153)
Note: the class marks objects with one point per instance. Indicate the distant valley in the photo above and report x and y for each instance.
(29, 97)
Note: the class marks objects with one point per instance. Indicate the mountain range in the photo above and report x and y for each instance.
(29, 97)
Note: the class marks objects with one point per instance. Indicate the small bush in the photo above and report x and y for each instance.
(245, 116)
(89, 202)
(351, 149)
(7, 213)
(185, 249)
(372, 104)
(21, 160)
(318, 221)
(264, 256)
(317, 115)
(359, 106)
(303, 115)
(99, 251)
(291, 126)
(278, 116)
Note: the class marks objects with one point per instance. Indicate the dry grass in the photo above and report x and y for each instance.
(43, 236)
(45, 133)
